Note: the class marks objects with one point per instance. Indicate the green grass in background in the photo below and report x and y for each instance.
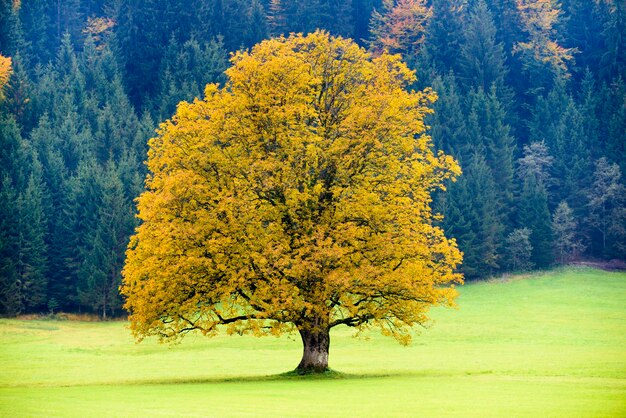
(545, 345)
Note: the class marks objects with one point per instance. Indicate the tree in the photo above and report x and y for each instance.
(287, 16)
(607, 208)
(541, 54)
(519, 250)
(536, 164)
(5, 74)
(400, 27)
(535, 215)
(104, 255)
(481, 57)
(186, 69)
(474, 219)
(443, 35)
(296, 197)
(564, 227)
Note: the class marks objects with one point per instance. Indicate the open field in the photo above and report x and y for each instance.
(546, 345)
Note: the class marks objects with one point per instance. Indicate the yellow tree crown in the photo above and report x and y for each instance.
(298, 194)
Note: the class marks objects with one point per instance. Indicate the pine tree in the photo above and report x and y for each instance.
(10, 295)
(584, 26)
(613, 60)
(10, 31)
(258, 28)
(558, 121)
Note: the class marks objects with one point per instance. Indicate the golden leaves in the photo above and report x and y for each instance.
(301, 189)
(539, 18)
(5, 73)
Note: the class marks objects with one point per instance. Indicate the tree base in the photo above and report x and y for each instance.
(311, 370)
(316, 344)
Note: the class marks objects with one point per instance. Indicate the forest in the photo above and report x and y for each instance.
(531, 103)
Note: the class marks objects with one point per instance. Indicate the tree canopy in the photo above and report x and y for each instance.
(295, 196)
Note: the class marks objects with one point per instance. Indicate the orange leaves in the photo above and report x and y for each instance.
(400, 27)
(301, 189)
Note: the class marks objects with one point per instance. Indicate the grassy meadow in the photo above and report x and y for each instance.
(552, 344)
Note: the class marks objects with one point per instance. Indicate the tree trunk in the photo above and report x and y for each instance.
(316, 343)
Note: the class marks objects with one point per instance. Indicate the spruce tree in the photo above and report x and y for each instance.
(481, 56)
(31, 251)
(103, 257)
(533, 213)
(186, 70)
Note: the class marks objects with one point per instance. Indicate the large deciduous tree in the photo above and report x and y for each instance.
(295, 197)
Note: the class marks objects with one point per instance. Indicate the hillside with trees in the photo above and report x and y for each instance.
(531, 103)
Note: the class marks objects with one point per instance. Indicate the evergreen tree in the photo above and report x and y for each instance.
(39, 35)
(23, 261)
(305, 16)
(448, 122)
(473, 218)
(186, 70)
(12, 177)
(585, 25)
(613, 60)
(490, 130)
(10, 295)
(444, 35)
(31, 250)
(533, 213)
(558, 121)
(100, 270)
(9, 27)
(481, 58)
(257, 28)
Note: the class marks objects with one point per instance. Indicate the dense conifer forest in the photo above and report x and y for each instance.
(532, 103)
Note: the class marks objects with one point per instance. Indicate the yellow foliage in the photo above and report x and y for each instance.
(538, 18)
(296, 195)
(99, 28)
(5, 73)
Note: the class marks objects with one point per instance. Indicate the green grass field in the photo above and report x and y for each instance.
(541, 346)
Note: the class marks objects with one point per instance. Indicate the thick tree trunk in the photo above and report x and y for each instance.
(316, 343)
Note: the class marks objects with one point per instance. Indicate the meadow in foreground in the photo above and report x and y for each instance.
(552, 344)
